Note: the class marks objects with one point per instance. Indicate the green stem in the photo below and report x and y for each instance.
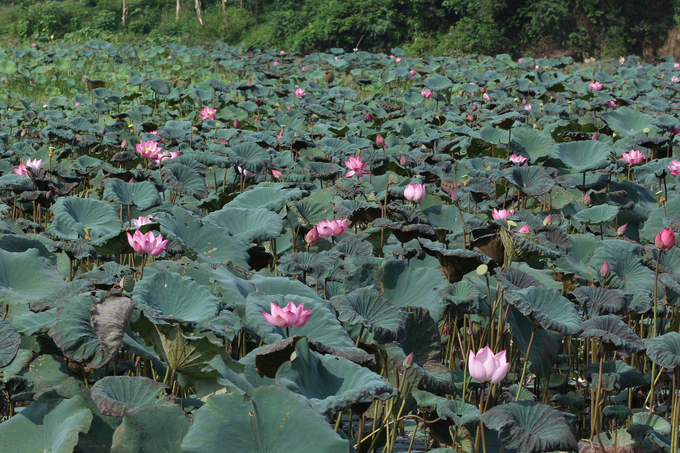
(526, 360)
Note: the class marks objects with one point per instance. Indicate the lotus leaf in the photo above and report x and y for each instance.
(115, 395)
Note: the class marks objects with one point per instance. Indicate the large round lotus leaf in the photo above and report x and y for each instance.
(512, 279)
(249, 156)
(544, 349)
(582, 156)
(151, 428)
(272, 198)
(664, 350)
(616, 374)
(424, 341)
(627, 122)
(49, 424)
(657, 423)
(169, 296)
(73, 214)
(10, 340)
(142, 195)
(529, 427)
(310, 211)
(331, 384)
(625, 261)
(536, 144)
(577, 261)
(448, 217)
(207, 242)
(89, 330)
(533, 181)
(368, 307)
(464, 297)
(602, 301)
(322, 326)
(547, 309)
(438, 83)
(248, 224)
(311, 264)
(269, 420)
(597, 215)
(25, 277)
(521, 247)
(459, 412)
(185, 180)
(14, 243)
(8, 67)
(324, 170)
(454, 263)
(114, 395)
(595, 181)
(337, 148)
(611, 330)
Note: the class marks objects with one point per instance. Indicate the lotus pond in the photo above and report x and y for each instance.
(227, 248)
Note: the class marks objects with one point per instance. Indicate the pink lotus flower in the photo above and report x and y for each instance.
(276, 63)
(356, 167)
(622, 60)
(605, 270)
(288, 316)
(143, 221)
(674, 167)
(595, 86)
(147, 243)
(35, 164)
(379, 140)
(304, 69)
(414, 192)
(525, 229)
(427, 94)
(633, 157)
(148, 149)
(165, 155)
(300, 93)
(398, 59)
(243, 171)
(665, 240)
(156, 134)
(487, 367)
(676, 65)
(520, 61)
(486, 97)
(276, 174)
(622, 230)
(675, 79)
(21, 170)
(282, 53)
(312, 237)
(502, 214)
(527, 107)
(548, 220)
(517, 158)
(328, 228)
(208, 113)
(369, 118)
(77, 104)
(474, 107)
(612, 104)
(412, 74)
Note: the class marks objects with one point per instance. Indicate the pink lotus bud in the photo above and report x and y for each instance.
(482, 89)
(124, 143)
(621, 230)
(414, 192)
(24, 131)
(596, 136)
(403, 160)
(276, 174)
(237, 124)
(379, 140)
(605, 270)
(548, 220)
(586, 199)
(454, 197)
(665, 240)
(312, 237)
(525, 229)
(77, 104)
(474, 107)
(487, 367)
(408, 361)
(469, 117)
(369, 118)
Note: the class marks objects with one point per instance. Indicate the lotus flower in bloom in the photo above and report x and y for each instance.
(502, 214)
(356, 167)
(412, 74)
(328, 228)
(633, 157)
(21, 170)
(427, 94)
(34, 164)
(303, 69)
(282, 53)
(300, 93)
(525, 229)
(148, 149)
(208, 113)
(147, 243)
(517, 158)
(527, 107)
(77, 104)
(665, 240)
(414, 192)
(676, 65)
(612, 104)
(595, 86)
(622, 60)
(142, 220)
(487, 367)
(156, 134)
(288, 316)
(674, 167)
(675, 79)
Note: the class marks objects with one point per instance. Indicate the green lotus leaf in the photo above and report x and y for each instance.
(578, 259)
(311, 211)
(143, 195)
(108, 274)
(322, 326)
(620, 413)
(454, 263)
(602, 301)
(335, 147)
(529, 427)
(666, 122)
(50, 423)
(248, 224)
(514, 279)
(158, 86)
(33, 323)
(664, 350)
(438, 83)
(625, 261)
(459, 412)
(14, 243)
(172, 297)
(249, 156)
(464, 297)
(63, 294)
(368, 307)
(422, 338)
(354, 245)
(8, 67)
(615, 333)
(616, 374)
(276, 412)
(407, 233)
(25, 277)
(524, 246)
(627, 122)
(324, 171)
(657, 423)
(524, 395)
(536, 144)
(597, 215)
(73, 214)
(306, 263)
(115, 395)
(272, 198)
(10, 340)
(582, 156)
(594, 181)
(185, 180)
(89, 330)
(151, 428)
(331, 384)
(533, 181)
(546, 308)
(544, 349)
(230, 376)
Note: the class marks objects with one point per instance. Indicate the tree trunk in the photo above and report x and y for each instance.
(197, 7)
(177, 11)
(125, 12)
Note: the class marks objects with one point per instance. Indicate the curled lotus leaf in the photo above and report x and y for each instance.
(464, 297)
(615, 333)
(513, 279)
(272, 198)
(525, 246)
(664, 350)
(454, 263)
(616, 374)
(602, 301)
(10, 340)
(313, 264)
(406, 233)
(547, 309)
(597, 215)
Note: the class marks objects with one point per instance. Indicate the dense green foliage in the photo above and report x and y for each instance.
(581, 28)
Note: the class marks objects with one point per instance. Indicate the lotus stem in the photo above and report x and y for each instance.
(361, 331)
(413, 437)
(141, 275)
(526, 360)
(676, 416)
(596, 411)
(656, 284)
(337, 422)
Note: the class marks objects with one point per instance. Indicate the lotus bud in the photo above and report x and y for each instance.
(474, 107)
(103, 131)
(621, 230)
(482, 89)
(408, 361)
(237, 124)
(665, 240)
(525, 229)
(379, 140)
(403, 160)
(24, 131)
(276, 174)
(124, 143)
(586, 199)
(596, 136)
(312, 237)
(605, 270)
(469, 117)
(454, 197)
(548, 220)
(369, 118)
